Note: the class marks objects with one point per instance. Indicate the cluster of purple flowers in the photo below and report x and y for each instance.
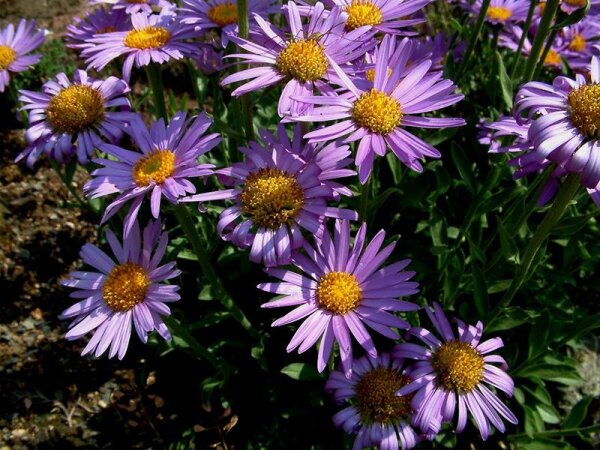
(354, 64)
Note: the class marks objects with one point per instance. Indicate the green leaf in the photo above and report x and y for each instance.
(464, 166)
(559, 373)
(480, 291)
(533, 421)
(301, 371)
(505, 82)
(548, 413)
(545, 444)
(578, 413)
(538, 336)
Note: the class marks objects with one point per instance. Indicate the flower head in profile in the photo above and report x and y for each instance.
(165, 159)
(15, 46)
(455, 370)
(377, 117)
(339, 289)
(221, 15)
(155, 38)
(375, 413)
(564, 123)
(385, 16)
(506, 135)
(137, 6)
(503, 12)
(126, 290)
(570, 6)
(277, 192)
(510, 38)
(301, 62)
(98, 21)
(74, 116)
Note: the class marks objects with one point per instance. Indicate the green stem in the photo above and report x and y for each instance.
(185, 220)
(547, 48)
(158, 90)
(243, 27)
(474, 36)
(557, 433)
(556, 211)
(540, 38)
(365, 191)
(532, 6)
(194, 77)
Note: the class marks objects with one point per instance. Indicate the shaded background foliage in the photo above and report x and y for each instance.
(463, 222)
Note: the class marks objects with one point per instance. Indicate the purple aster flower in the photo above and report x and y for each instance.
(221, 14)
(570, 6)
(376, 414)
(137, 6)
(99, 21)
(502, 12)
(565, 123)
(385, 16)
(456, 370)
(73, 116)
(580, 40)
(130, 290)
(332, 158)
(376, 117)
(167, 158)
(510, 37)
(506, 135)
(303, 61)
(344, 289)
(153, 39)
(14, 46)
(208, 59)
(276, 192)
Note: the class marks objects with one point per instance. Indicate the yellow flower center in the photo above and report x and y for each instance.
(578, 43)
(361, 13)
(584, 109)
(338, 292)
(499, 13)
(377, 112)
(552, 58)
(125, 287)
(157, 166)
(458, 366)
(223, 14)
(541, 7)
(376, 396)
(148, 37)
(7, 56)
(271, 197)
(303, 60)
(576, 3)
(370, 74)
(75, 109)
